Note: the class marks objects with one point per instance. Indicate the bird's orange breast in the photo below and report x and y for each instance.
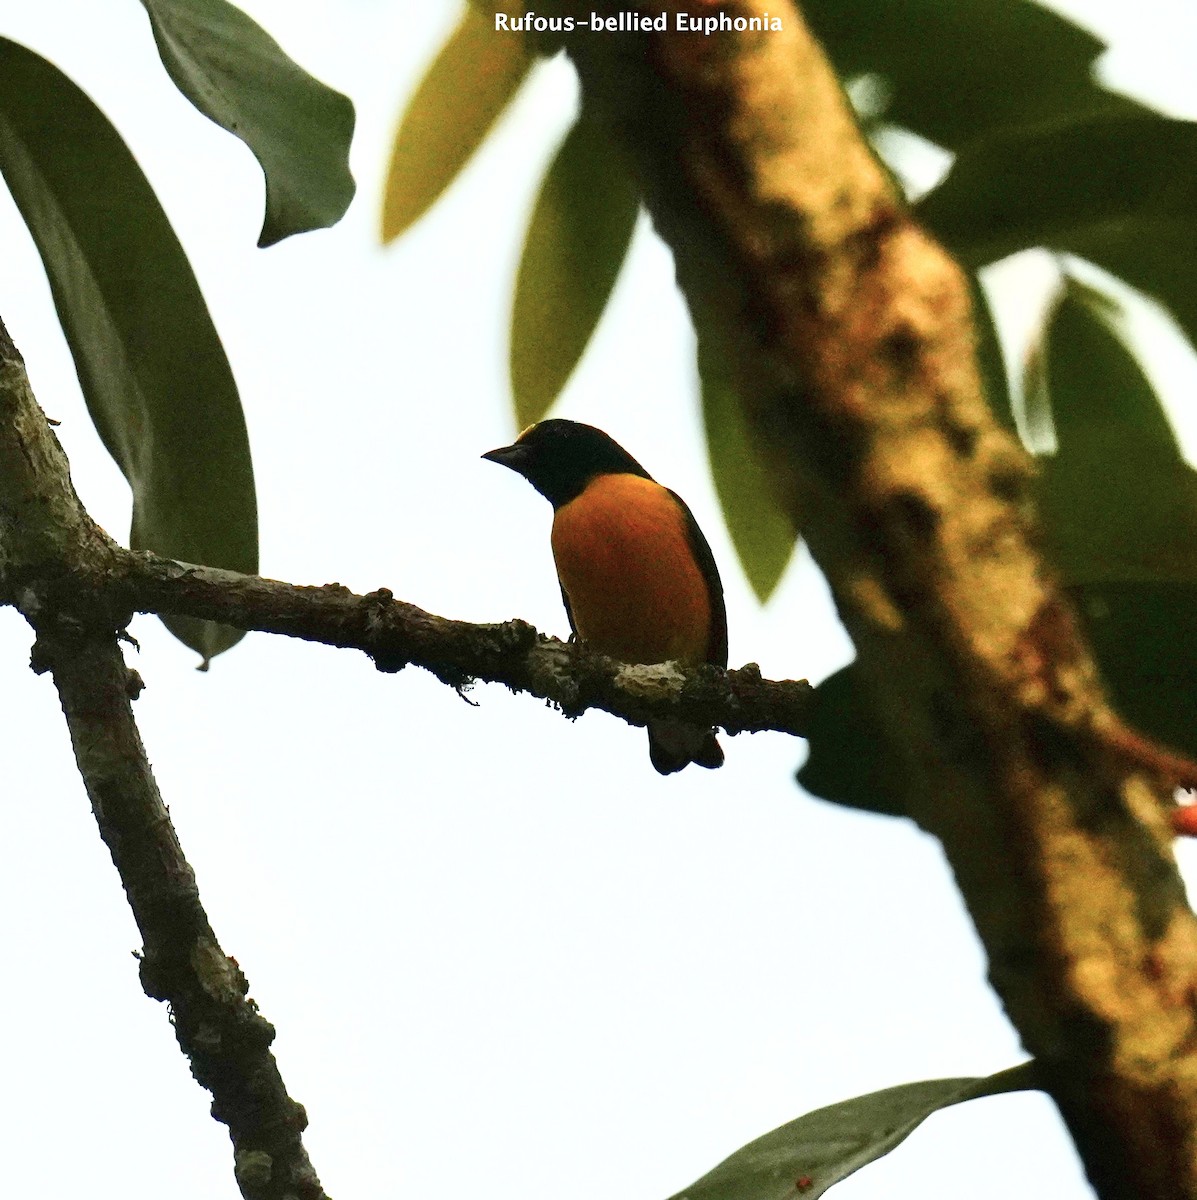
(625, 562)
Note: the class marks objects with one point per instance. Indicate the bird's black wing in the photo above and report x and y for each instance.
(717, 642)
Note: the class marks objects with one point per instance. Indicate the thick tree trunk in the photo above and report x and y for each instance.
(850, 333)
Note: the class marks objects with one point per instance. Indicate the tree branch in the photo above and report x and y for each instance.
(44, 535)
(394, 634)
(78, 589)
(60, 561)
(226, 1040)
(850, 334)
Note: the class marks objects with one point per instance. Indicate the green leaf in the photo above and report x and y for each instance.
(1119, 191)
(469, 84)
(577, 239)
(990, 361)
(1145, 638)
(850, 760)
(1063, 184)
(1155, 255)
(1036, 406)
(959, 70)
(806, 1157)
(1120, 509)
(152, 369)
(298, 129)
(1102, 403)
(763, 535)
(1117, 500)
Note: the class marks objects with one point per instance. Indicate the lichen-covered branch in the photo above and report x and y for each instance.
(45, 537)
(395, 634)
(226, 1040)
(849, 333)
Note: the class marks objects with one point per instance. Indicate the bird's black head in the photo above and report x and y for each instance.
(559, 458)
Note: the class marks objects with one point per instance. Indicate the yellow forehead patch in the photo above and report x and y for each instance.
(524, 432)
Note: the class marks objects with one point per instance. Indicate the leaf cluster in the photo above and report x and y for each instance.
(156, 379)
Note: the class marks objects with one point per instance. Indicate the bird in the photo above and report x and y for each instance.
(637, 576)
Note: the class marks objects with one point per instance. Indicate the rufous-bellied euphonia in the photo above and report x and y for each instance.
(638, 579)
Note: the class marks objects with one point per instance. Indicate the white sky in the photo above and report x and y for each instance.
(504, 957)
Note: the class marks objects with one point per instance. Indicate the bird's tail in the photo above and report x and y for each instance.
(673, 745)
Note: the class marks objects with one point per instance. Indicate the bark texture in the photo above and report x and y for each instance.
(395, 634)
(849, 330)
(46, 541)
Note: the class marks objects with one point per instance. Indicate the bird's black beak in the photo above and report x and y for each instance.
(514, 456)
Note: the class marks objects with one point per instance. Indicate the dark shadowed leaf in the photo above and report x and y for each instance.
(1118, 501)
(1120, 508)
(576, 242)
(850, 760)
(1120, 191)
(1159, 257)
(152, 369)
(1145, 638)
(763, 535)
(299, 130)
(1051, 184)
(468, 85)
(959, 70)
(809, 1155)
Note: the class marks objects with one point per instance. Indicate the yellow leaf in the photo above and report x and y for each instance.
(763, 535)
(468, 85)
(577, 240)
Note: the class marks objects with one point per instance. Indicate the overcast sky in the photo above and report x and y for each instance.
(505, 958)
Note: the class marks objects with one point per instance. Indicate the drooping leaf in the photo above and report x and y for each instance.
(851, 761)
(1052, 184)
(469, 84)
(299, 129)
(763, 535)
(1144, 635)
(1120, 191)
(577, 240)
(1120, 509)
(958, 71)
(153, 372)
(809, 1155)
(1159, 257)
(1118, 502)
(990, 360)
(1036, 405)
